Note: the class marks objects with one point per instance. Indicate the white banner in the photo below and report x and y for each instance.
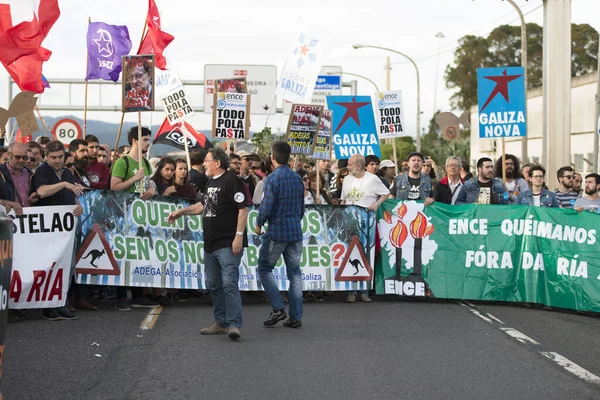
(43, 254)
(389, 114)
(300, 72)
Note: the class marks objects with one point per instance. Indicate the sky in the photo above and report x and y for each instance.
(263, 32)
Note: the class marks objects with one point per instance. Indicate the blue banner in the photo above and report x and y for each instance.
(502, 102)
(353, 130)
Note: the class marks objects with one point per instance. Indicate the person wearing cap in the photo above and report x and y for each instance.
(448, 188)
(413, 185)
(387, 171)
(249, 179)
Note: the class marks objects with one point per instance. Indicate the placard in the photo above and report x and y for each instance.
(301, 133)
(177, 106)
(138, 83)
(389, 114)
(232, 85)
(231, 116)
(323, 146)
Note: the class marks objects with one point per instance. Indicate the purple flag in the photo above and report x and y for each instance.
(106, 45)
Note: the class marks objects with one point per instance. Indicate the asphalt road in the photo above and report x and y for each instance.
(390, 349)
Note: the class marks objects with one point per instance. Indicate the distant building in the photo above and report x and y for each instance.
(583, 109)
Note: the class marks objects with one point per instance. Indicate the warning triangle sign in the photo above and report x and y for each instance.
(354, 266)
(95, 256)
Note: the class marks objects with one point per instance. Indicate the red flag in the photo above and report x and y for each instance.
(155, 40)
(173, 135)
(23, 139)
(21, 50)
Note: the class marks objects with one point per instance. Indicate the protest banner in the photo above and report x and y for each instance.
(150, 252)
(300, 71)
(500, 253)
(231, 116)
(138, 83)
(40, 278)
(303, 124)
(232, 85)
(390, 114)
(502, 102)
(354, 130)
(323, 147)
(177, 106)
(6, 260)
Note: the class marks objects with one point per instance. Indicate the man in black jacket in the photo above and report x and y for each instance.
(448, 188)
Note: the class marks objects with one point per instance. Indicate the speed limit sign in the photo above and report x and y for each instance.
(67, 129)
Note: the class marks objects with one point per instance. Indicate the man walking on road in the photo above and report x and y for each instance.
(283, 207)
(225, 208)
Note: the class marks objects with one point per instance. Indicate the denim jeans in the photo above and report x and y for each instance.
(268, 256)
(222, 274)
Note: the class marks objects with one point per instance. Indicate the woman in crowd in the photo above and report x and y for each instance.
(182, 185)
(266, 168)
(339, 181)
(163, 177)
(311, 197)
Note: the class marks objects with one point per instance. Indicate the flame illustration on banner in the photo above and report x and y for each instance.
(419, 229)
(387, 216)
(399, 234)
(402, 211)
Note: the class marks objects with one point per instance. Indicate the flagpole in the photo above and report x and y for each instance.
(273, 99)
(87, 66)
(118, 138)
(185, 143)
(140, 160)
(44, 123)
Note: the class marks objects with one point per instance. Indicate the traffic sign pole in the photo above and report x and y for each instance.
(597, 125)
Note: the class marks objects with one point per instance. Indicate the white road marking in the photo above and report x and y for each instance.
(150, 320)
(495, 319)
(521, 337)
(480, 315)
(573, 368)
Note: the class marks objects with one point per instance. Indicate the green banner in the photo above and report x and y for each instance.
(126, 241)
(489, 252)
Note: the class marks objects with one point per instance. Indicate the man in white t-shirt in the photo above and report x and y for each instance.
(363, 189)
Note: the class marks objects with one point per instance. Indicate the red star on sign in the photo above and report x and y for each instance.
(303, 50)
(501, 87)
(351, 111)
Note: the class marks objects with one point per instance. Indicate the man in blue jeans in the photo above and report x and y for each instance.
(283, 207)
(225, 208)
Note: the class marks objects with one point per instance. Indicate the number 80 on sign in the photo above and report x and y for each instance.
(66, 130)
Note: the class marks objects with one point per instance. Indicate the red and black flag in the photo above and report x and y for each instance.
(173, 135)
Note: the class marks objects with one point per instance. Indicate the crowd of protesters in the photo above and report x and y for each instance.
(42, 172)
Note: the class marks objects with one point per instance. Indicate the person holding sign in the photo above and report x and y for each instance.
(591, 200)
(484, 188)
(537, 195)
(414, 185)
(225, 212)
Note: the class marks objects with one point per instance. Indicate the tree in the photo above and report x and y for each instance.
(263, 141)
(502, 47)
(404, 145)
(438, 149)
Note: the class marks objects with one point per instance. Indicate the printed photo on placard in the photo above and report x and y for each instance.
(233, 85)
(138, 83)
(323, 147)
(302, 128)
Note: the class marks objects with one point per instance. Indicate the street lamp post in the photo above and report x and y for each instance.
(357, 75)
(439, 36)
(361, 46)
(524, 64)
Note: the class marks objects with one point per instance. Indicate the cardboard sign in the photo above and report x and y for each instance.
(389, 114)
(177, 106)
(450, 132)
(231, 116)
(138, 83)
(302, 128)
(323, 147)
(23, 103)
(27, 123)
(450, 124)
(233, 85)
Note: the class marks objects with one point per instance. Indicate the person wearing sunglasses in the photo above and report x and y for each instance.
(16, 177)
(565, 194)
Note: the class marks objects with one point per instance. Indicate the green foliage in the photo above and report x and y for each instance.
(502, 47)
(263, 141)
(434, 146)
(404, 145)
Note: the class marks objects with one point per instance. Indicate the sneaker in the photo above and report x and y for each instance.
(66, 314)
(122, 305)
(234, 333)
(16, 316)
(144, 302)
(214, 329)
(292, 323)
(365, 298)
(351, 298)
(319, 299)
(275, 317)
(51, 314)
